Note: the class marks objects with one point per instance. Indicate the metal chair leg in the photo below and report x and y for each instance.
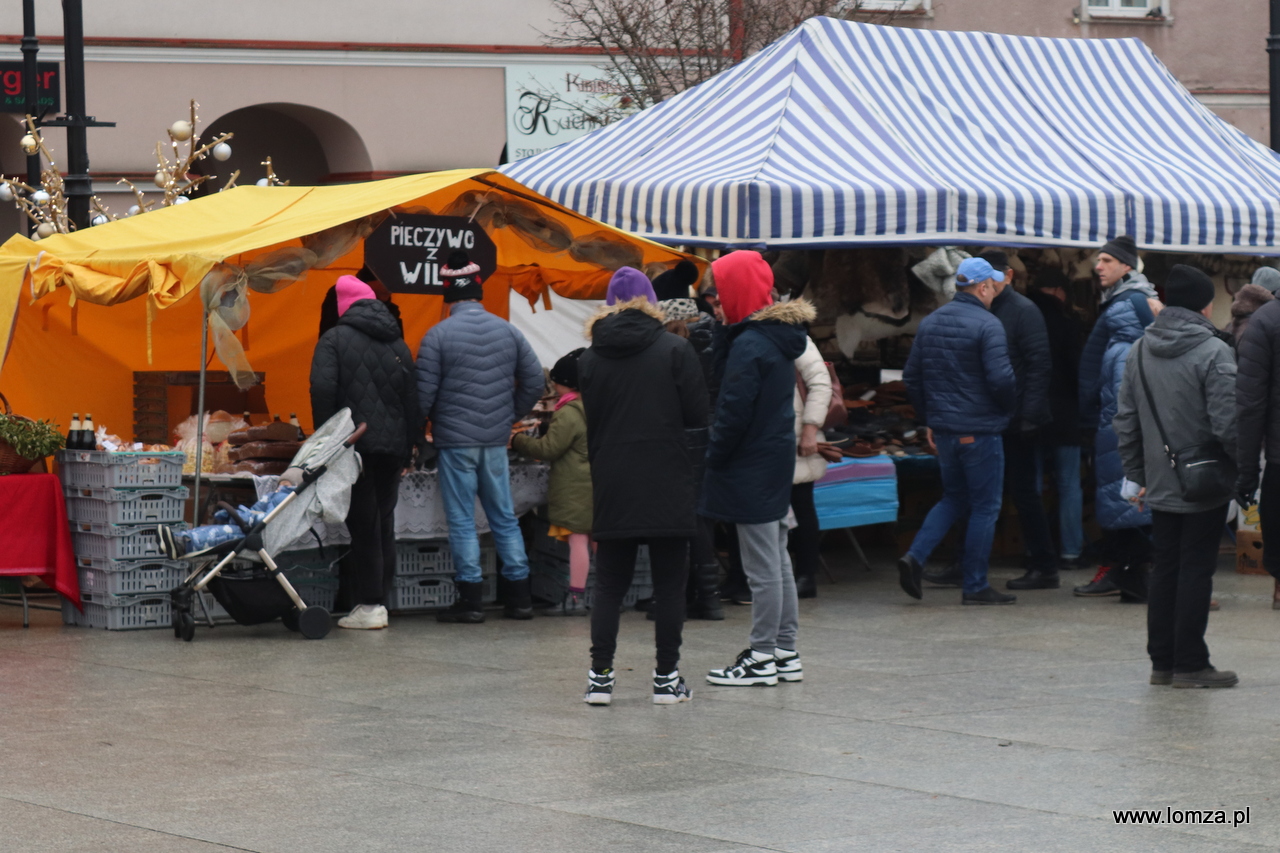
(26, 610)
(862, 558)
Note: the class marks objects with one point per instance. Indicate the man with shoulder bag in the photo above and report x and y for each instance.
(1176, 426)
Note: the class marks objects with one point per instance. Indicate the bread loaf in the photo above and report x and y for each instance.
(278, 431)
(261, 467)
(240, 436)
(265, 450)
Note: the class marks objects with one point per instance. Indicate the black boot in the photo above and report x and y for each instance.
(706, 593)
(1132, 581)
(806, 586)
(518, 600)
(467, 608)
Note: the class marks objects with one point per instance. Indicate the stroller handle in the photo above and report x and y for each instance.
(355, 436)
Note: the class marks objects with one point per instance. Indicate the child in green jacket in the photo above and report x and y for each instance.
(569, 494)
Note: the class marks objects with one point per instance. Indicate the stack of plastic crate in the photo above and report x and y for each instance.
(115, 504)
(424, 575)
(549, 571)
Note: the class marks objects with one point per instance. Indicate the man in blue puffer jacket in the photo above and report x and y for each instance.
(1126, 312)
(477, 375)
(961, 383)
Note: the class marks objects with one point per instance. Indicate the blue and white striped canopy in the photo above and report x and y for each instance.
(845, 134)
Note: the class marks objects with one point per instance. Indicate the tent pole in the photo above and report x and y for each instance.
(204, 360)
(1273, 48)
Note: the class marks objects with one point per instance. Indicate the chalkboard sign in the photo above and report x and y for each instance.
(407, 251)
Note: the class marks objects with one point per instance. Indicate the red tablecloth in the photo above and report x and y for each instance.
(34, 536)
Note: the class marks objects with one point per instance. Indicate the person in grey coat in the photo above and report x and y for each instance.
(1188, 368)
(477, 375)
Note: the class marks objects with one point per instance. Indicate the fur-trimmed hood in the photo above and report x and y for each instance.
(1250, 298)
(640, 304)
(795, 312)
(625, 329)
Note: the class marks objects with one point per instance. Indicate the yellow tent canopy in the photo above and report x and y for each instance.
(75, 328)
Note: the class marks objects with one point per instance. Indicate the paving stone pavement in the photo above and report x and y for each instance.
(919, 726)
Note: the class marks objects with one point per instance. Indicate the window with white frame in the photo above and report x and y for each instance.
(888, 5)
(1128, 8)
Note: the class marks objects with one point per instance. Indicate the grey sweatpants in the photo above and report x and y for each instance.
(775, 612)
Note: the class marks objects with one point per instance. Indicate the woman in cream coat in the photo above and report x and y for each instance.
(811, 413)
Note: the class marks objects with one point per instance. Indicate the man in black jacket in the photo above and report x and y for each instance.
(1061, 438)
(1258, 426)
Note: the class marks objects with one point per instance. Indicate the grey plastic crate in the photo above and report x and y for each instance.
(434, 557)
(134, 577)
(124, 506)
(434, 592)
(117, 542)
(96, 469)
(121, 612)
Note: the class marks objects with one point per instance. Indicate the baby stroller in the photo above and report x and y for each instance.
(324, 469)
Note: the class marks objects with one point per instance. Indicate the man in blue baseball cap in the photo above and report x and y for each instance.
(961, 383)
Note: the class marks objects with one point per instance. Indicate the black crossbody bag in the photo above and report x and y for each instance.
(1204, 471)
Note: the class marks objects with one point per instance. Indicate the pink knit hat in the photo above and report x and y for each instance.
(350, 290)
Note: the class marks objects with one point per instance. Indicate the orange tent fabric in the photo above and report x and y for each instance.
(81, 312)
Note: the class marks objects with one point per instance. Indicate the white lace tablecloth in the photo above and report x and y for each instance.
(420, 510)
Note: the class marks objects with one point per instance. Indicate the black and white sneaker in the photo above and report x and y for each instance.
(670, 689)
(599, 687)
(788, 665)
(751, 668)
(173, 547)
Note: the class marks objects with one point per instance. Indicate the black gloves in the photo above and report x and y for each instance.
(1245, 491)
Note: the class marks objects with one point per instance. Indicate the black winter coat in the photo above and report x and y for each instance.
(1028, 340)
(1065, 332)
(751, 452)
(363, 363)
(642, 389)
(1258, 394)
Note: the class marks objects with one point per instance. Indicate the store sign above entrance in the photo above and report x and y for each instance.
(551, 104)
(48, 85)
(407, 251)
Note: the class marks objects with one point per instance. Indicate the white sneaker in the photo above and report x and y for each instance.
(751, 668)
(788, 665)
(366, 617)
(670, 689)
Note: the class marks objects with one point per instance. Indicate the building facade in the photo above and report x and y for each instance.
(343, 92)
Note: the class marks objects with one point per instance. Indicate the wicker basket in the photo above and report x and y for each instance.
(10, 461)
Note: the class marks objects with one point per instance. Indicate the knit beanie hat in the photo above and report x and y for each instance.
(351, 290)
(1124, 250)
(675, 282)
(628, 283)
(461, 278)
(1188, 287)
(679, 309)
(1268, 277)
(744, 281)
(565, 371)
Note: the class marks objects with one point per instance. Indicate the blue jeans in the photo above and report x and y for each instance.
(468, 472)
(972, 468)
(1066, 475)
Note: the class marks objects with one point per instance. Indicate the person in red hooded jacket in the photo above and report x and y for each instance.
(751, 458)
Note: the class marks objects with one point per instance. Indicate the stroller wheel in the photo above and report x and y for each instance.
(186, 626)
(176, 621)
(314, 623)
(290, 620)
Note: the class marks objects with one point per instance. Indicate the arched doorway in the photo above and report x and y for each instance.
(307, 146)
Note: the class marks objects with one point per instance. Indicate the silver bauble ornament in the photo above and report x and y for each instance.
(45, 229)
(6, 192)
(182, 199)
(263, 182)
(160, 179)
(99, 220)
(134, 210)
(222, 152)
(180, 130)
(39, 197)
(28, 144)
